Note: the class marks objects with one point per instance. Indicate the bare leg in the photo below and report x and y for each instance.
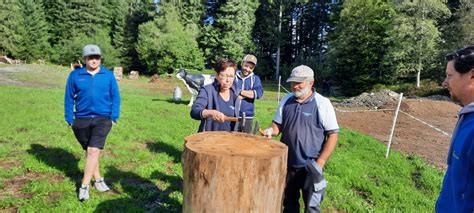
(96, 173)
(92, 162)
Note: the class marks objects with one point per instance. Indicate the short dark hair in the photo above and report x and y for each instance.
(223, 64)
(463, 59)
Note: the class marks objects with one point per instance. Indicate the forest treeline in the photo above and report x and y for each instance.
(355, 43)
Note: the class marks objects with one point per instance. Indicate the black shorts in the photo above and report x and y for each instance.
(92, 132)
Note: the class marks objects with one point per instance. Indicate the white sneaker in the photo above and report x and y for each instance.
(84, 193)
(101, 186)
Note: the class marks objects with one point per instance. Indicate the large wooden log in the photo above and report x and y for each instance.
(233, 172)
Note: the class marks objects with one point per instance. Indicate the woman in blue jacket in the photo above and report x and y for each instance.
(218, 100)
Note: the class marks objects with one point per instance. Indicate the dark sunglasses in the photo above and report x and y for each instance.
(461, 53)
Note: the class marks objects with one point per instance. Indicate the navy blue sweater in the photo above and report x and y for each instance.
(91, 96)
(207, 99)
(250, 82)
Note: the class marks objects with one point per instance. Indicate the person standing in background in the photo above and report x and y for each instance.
(91, 106)
(250, 88)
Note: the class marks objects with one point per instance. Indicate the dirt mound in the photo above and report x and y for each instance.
(370, 100)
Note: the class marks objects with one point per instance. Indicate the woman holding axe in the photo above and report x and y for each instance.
(216, 104)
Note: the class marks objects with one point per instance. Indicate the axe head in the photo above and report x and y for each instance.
(243, 120)
(256, 128)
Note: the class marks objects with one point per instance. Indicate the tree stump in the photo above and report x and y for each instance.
(233, 172)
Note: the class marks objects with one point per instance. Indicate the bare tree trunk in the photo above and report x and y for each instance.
(233, 172)
(418, 78)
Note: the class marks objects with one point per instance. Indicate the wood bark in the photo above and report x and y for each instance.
(233, 172)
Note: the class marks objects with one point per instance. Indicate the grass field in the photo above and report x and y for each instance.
(41, 163)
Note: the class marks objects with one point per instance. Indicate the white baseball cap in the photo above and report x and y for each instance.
(300, 74)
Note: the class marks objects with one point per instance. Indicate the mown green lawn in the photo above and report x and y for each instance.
(41, 163)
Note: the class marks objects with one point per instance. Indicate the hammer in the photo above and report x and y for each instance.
(242, 119)
(256, 129)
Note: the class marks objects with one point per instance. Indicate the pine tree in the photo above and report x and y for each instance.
(35, 41)
(234, 21)
(119, 11)
(266, 36)
(12, 29)
(139, 12)
(54, 10)
(457, 30)
(166, 45)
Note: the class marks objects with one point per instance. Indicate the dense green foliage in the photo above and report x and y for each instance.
(360, 46)
(41, 163)
(166, 45)
(356, 44)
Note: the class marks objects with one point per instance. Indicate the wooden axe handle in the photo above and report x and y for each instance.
(235, 119)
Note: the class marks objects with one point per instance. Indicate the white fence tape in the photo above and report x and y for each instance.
(426, 123)
(411, 116)
(365, 110)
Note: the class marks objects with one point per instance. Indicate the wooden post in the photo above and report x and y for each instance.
(233, 172)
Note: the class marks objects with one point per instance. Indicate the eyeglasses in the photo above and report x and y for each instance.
(461, 53)
(227, 76)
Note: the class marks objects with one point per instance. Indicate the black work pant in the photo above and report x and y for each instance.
(311, 182)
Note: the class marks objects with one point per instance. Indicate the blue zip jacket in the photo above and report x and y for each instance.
(250, 82)
(92, 96)
(207, 99)
(457, 193)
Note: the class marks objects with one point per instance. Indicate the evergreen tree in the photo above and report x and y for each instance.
(234, 21)
(54, 10)
(139, 12)
(166, 45)
(71, 19)
(192, 13)
(12, 29)
(209, 41)
(119, 10)
(71, 50)
(266, 36)
(35, 41)
(457, 30)
(359, 45)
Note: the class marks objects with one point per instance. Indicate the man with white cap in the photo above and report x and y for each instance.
(91, 106)
(249, 87)
(307, 122)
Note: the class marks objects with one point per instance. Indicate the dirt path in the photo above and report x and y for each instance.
(6, 80)
(411, 136)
